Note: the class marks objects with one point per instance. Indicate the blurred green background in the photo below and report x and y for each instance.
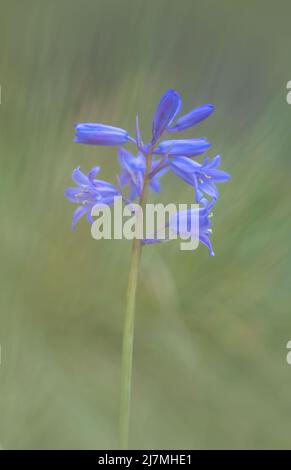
(210, 366)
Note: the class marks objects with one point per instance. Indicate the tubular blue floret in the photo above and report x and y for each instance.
(192, 118)
(100, 134)
(187, 147)
(181, 222)
(168, 107)
(201, 176)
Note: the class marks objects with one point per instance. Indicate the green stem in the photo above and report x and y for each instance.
(127, 345)
(128, 332)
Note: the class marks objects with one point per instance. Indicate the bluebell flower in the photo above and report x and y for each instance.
(168, 107)
(133, 171)
(201, 176)
(186, 147)
(132, 174)
(89, 192)
(192, 118)
(181, 222)
(100, 134)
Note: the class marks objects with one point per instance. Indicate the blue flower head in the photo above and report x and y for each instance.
(151, 161)
(181, 223)
(201, 176)
(89, 192)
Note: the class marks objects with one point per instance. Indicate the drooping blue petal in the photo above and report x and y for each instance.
(79, 212)
(212, 164)
(104, 186)
(122, 179)
(192, 118)
(207, 205)
(108, 199)
(134, 191)
(100, 134)
(73, 194)
(187, 170)
(125, 157)
(206, 241)
(183, 171)
(185, 164)
(186, 147)
(89, 217)
(79, 177)
(218, 176)
(210, 169)
(168, 107)
(209, 188)
(93, 172)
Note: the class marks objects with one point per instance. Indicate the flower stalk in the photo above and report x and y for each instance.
(128, 330)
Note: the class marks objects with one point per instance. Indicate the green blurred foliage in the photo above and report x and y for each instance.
(210, 365)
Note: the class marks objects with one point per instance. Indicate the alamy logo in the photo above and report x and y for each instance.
(152, 223)
(288, 357)
(288, 97)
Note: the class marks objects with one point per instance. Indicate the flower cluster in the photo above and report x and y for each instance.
(165, 155)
